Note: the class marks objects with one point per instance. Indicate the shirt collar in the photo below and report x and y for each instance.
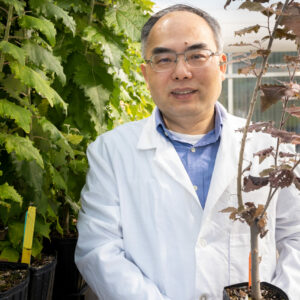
(211, 137)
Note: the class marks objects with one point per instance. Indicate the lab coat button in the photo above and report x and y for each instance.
(203, 297)
(202, 242)
(195, 188)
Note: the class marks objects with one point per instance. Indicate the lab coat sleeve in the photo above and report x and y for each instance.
(287, 275)
(100, 254)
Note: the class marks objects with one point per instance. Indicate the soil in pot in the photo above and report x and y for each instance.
(241, 291)
(14, 280)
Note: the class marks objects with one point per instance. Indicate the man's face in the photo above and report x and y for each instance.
(184, 92)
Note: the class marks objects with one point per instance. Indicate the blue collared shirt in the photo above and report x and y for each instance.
(198, 159)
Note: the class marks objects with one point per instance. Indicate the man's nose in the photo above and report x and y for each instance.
(182, 69)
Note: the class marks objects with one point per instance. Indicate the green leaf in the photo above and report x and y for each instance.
(74, 139)
(113, 52)
(52, 10)
(55, 135)
(74, 206)
(15, 233)
(13, 50)
(126, 17)
(42, 25)
(41, 227)
(9, 254)
(90, 79)
(42, 57)
(58, 180)
(14, 87)
(37, 247)
(34, 80)
(21, 115)
(18, 5)
(23, 147)
(8, 192)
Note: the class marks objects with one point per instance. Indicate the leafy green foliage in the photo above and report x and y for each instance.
(44, 26)
(21, 115)
(13, 50)
(68, 72)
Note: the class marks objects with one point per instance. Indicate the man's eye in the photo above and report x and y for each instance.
(198, 56)
(163, 60)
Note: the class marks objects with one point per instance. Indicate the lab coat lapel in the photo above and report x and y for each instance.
(166, 156)
(225, 170)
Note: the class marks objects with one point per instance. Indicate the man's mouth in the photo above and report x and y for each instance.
(183, 92)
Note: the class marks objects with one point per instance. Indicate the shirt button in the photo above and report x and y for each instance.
(166, 134)
(193, 149)
(195, 188)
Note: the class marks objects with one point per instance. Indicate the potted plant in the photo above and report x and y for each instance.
(279, 164)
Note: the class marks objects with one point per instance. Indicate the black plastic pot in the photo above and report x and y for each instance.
(281, 295)
(68, 281)
(20, 291)
(42, 281)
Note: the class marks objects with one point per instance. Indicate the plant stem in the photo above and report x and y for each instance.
(6, 34)
(250, 113)
(255, 288)
(92, 5)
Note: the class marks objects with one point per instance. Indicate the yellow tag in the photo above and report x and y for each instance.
(28, 234)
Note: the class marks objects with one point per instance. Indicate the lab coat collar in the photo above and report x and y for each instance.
(225, 169)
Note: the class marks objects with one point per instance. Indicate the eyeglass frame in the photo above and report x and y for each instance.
(176, 59)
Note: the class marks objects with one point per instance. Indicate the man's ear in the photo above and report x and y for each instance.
(144, 71)
(223, 64)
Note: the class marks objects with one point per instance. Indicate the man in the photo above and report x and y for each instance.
(150, 225)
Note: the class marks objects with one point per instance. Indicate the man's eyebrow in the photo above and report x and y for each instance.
(197, 46)
(159, 50)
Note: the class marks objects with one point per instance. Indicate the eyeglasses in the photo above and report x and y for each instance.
(167, 61)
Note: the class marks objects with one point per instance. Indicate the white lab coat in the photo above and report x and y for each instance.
(143, 234)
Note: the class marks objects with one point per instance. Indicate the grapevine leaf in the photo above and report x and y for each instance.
(34, 80)
(294, 111)
(250, 29)
(291, 59)
(282, 33)
(23, 147)
(55, 135)
(37, 247)
(271, 94)
(8, 192)
(74, 206)
(291, 18)
(18, 5)
(49, 9)
(252, 183)
(13, 51)
(15, 233)
(286, 154)
(41, 227)
(42, 25)
(57, 179)
(112, 52)
(40, 56)
(74, 139)
(9, 254)
(90, 80)
(252, 6)
(281, 178)
(21, 115)
(14, 87)
(126, 17)
(263, 154)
